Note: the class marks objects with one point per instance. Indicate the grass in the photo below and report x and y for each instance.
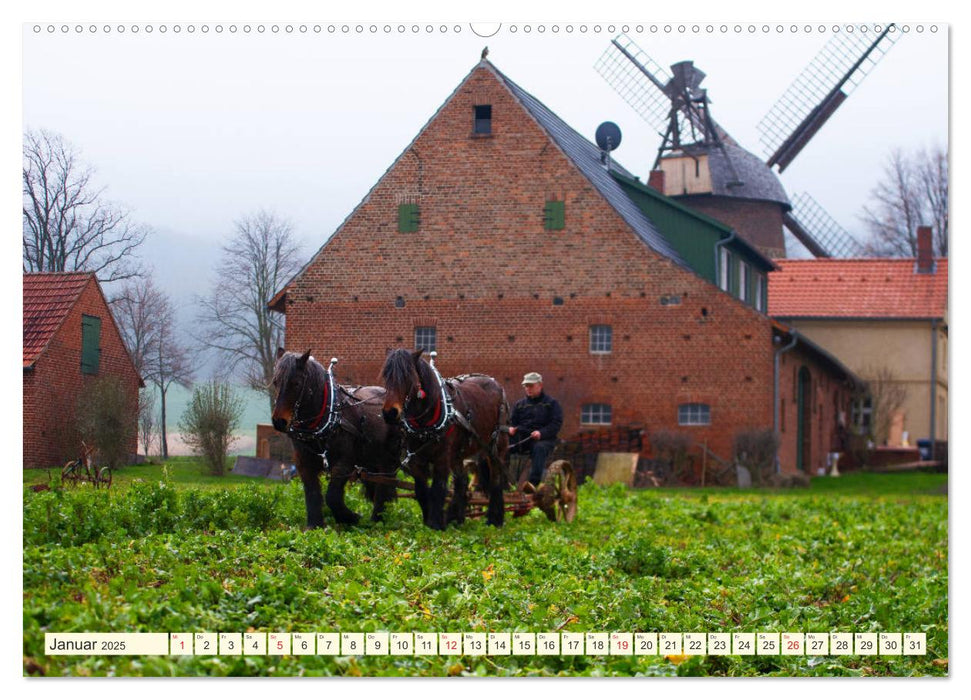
(189, 472)
(866, 552)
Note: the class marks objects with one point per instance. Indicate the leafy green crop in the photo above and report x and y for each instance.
(154, 558)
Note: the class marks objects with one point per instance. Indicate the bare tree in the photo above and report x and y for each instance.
(257, 261)
(147, 420)
(167, 362)
(67, 225)
(887, 396)
(139, 309)
(912, 192)
(106, 418)
(209, 422)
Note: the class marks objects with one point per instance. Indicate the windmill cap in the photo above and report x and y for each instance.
(533, 378)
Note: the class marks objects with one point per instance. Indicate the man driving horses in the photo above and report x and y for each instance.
(536, 419)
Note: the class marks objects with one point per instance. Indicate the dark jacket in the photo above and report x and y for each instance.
(542, 413)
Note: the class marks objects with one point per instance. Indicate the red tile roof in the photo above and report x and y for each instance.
(857, 288)
(48, 298)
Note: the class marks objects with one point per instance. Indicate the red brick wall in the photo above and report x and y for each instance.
(52, 388)
(485, 273)
(829, 397)
(760, 223)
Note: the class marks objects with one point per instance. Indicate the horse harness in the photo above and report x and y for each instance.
(443, 419)
(319, 429)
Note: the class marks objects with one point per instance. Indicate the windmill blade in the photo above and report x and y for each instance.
(638, 80)
(624, 65)
(820, 89)
(819, 231)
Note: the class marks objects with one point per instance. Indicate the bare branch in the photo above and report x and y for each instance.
(912, 192)
(261, 256)
(67, 225)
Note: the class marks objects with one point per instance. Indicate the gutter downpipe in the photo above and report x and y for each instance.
(933, 434)
(775, 389)
(718, 245)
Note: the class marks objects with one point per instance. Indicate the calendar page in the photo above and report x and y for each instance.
(672, 387)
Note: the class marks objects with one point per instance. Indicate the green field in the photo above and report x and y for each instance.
(167, 551)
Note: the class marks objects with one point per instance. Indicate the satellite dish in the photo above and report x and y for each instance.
(608, 136)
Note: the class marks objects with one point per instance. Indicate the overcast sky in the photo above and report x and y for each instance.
(193, 130)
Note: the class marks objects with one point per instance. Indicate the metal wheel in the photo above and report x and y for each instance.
(69, 474)
(560, 483)
(103, 478)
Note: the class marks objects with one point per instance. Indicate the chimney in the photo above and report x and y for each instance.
(656, 180)
(925, 251)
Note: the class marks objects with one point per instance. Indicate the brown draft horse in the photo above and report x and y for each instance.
(445, 421)
(342, 425)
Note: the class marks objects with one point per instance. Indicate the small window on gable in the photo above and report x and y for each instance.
(554, 215)
(601, 339)
(694, 414)
(595, 414)
(408, 217)
(425, 337)
(483, 119)
(90, 344)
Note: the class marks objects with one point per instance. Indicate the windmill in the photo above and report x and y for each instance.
(699, 163)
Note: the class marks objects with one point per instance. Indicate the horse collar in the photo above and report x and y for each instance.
(443, 415)
(329, 416)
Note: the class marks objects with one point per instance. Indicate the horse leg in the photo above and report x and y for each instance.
(460, 487)
(335, 500)
(436, 501)
(382, 494)
(311, 493)
(422, 496)
(497, 506)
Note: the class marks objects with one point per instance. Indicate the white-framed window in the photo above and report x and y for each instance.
(425, 337)
(760, 289)
(861, 414)
(595, 414)
(724, 268)
(601, 339)
(743, 280)
(694, 414)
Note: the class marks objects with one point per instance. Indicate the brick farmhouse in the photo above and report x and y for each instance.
(70, 339)
(505, 240)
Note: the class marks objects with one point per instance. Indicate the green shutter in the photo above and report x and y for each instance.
(554, 216)
(90, 344)
(408, 218)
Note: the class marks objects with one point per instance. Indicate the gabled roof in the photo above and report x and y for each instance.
(586, 156)
(724, 231)
(48, 299)
(888, 288)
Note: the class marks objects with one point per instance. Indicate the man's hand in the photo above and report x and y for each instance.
(535, 435)
(512, 430)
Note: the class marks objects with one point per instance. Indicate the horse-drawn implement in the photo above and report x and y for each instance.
(556, 496)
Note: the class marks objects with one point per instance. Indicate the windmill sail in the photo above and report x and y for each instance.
(733, 179)
(663, 96)
(828, 239)
(820, 89)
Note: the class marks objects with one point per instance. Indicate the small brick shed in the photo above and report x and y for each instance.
(70, 339)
